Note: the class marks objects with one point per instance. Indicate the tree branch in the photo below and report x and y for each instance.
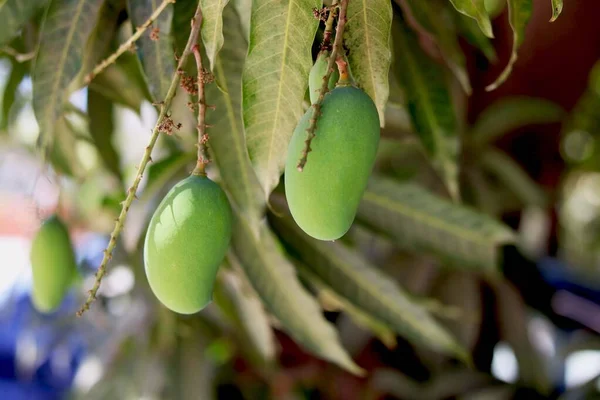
(203, 157)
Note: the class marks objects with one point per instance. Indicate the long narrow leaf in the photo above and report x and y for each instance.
(101, 127)
(212, 28)
(13, 14)
(476, 10)
(557, 6)
(470, 31)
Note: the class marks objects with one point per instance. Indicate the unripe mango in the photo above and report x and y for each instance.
(186, 242)
(317, 72)
(324, 197)
(53, 265)
(494, 7)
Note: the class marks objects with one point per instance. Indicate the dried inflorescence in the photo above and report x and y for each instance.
(155, 34)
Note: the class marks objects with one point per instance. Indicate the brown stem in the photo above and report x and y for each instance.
(342, 66)
(337, 48)
(325, 45)
(131, 193)
(203, 157)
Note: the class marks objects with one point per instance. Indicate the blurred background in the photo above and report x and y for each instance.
(534, 335)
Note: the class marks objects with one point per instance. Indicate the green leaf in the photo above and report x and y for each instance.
(429, 104)
(15, 13)
(162, 171)
(510, 113)
(366, 287)
(476, 10)
(65, 31)
(274, 81)
(430, 15)
(63, 153)
(101, 127)
(212, 28)
(183, 12)
(422, 222)
(470, 31)
(17, 73)
(275, 281)
(557, 6)
(156, 56)
(236, 297)
(514, 178)
(227, 140)
(368, 39)
(519, 14)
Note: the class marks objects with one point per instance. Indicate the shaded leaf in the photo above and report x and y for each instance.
(64, 34)
(101, 128)
(368, 39)
(557, 6)
(63, 153)
(118, 83)
(423, 222)
(156, 56)
(274, 81)
(366, 287)
(17, 73)
(429, 104)
(183, 12)
(519, 14)
(470, 31)
(162, 171)
(228, 142)
(15, 13)
(476, 10)
(431, 17)
(510, 113)
(275, 281)
(212, 28)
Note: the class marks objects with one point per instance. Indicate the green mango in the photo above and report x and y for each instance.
(186, 242)
(317, 72)
(494, 7)
(324, 197)
(53, 265)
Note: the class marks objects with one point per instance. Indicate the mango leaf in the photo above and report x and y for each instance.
(15, 13)
(476, 10)
(235, 296)
(156, 56)
(275, 281)
(510, 113)
(468, 28)
(64, 34)
(63, 153)
(557, 6)
(274, 81)
(368, 39)
(162, 171)
(368, 288)
(228, 143)
(430, 17)
(183, 12)
(101, 127)
(17, 73)
(243, 7)
(429, 104)
(423, 222)
(212, 28)
(519, 14)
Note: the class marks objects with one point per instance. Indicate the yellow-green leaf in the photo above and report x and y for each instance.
(101, 127)
(476, 10)
(557, 6)
(368, 39)
(470, 31)
(212, 28)
(15, 13)
(274, 81)
(519, 14)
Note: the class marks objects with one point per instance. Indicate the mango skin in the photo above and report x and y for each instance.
(324, 197)
(53, 265)
(494, 7)
(315, 78)
(187, 239)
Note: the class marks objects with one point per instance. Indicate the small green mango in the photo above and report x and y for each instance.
(186, 242)
(324, 197)
(494, 7)
(53, 265)
(317, 72)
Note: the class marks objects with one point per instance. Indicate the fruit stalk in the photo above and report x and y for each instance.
(203, 157)
(325, 45)
(128, 43)
(131, 193)
(337, 46)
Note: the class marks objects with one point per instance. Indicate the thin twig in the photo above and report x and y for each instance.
(325, 45)
(337, 46)
(203, 157)
(129, 43)
(131, 193)
(19, 57)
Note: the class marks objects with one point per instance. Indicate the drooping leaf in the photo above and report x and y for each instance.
(228, 142)
(470, 31)
(63, 153)
(156, 55)
(13, 14)
(212, 28)
(421, 221)
(274, 81)
(430, 15)
(275, 281)
(162, 171)
(17, 73)
(476, 10)
(519, 14)
(368, 39)
(366, 287)
(513, 112)
(64, 34)
(429, 104)
(244, 7)
(101, 127)
(557, 6)
(235, 296)
(183, 12)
